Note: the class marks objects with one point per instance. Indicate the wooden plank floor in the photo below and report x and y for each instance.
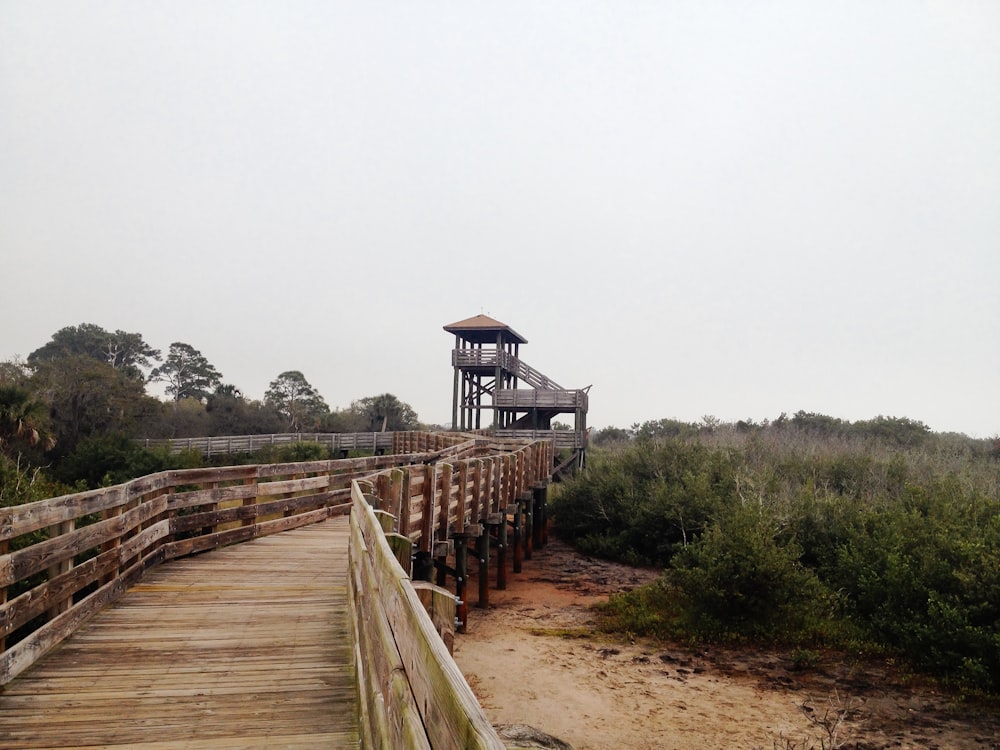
(243, 647)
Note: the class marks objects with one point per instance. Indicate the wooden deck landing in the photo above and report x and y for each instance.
(243, 647)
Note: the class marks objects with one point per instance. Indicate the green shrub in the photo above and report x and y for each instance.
(649, 610)
(111, 459)
(806, 532)
(743, 579)
(642, 504)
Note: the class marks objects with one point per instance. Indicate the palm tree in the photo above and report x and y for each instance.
(23, 419)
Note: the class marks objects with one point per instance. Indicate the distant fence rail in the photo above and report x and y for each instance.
(336, 441)
(373, 442)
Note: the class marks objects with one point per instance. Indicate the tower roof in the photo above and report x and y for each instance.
(483, 329)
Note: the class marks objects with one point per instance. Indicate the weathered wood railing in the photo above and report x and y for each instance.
(529, 398)
(410, 692)
(64, 558)
(486, 358)
(374, 442)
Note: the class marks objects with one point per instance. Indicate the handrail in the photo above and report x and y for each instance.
(568, 439)
(69, 556)
(390, 442)
(410, 691)
(524, 398)
(506, 361)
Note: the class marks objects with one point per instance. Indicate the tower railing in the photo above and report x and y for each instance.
(492, 358)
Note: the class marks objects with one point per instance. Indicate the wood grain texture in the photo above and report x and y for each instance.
(243, 647)
(398, 640)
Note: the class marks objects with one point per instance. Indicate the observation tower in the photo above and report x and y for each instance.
(490, 376)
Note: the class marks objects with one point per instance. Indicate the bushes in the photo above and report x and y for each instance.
(811, 540)
(110, 459)
(924, 578)
(744, 577)
(644, 503)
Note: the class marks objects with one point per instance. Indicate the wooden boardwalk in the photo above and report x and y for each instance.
(244, 647)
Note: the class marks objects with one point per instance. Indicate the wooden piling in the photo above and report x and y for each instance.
(461, 577)
(529, 514)
(538, 529)
(518, 535)
(483, 550)
(502, 553)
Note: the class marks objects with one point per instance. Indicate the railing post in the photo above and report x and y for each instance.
(4, 546)
(250, 520)
(383, 488)
(64, 566)
(502, 506)
(400, 494)
(423, 568)
(440, 548)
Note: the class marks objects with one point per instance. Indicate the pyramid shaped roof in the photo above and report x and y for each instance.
(483, 328)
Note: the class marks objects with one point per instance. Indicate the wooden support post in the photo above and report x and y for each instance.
(427, 511)
(529, 510)
(518, 535)
(475, 514)
(483, 550)
(4, 544)
(441, 549)
(109, 545)
(545, 515)
(403, 518)
(249, 520)
(440, 606)
(383, 490)
(462, 500)
(441, 568)
(502, 554)
(386, 520)
(461, 578)
(402, 549)
(395, 496)
(538, 497)
(61, 567)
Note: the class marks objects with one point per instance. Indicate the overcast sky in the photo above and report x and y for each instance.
(700, 208)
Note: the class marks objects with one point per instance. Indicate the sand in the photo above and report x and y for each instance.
(526, 661)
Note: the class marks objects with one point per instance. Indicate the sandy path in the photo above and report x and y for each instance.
(599, 694)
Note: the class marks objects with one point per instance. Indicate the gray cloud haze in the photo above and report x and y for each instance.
(722, 208)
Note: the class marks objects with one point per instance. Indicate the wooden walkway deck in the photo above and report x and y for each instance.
(244, 647)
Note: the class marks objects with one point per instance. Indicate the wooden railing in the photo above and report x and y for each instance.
(411, 694)
(373, 442)
(527, 398)
(491, 358)
(562, 439)
(64, 558)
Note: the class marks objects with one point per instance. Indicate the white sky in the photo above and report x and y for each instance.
(730, 208)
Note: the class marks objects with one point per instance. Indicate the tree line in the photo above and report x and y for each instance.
(877, 536)
(75, 405)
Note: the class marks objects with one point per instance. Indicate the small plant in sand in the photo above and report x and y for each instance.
(829, 721)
